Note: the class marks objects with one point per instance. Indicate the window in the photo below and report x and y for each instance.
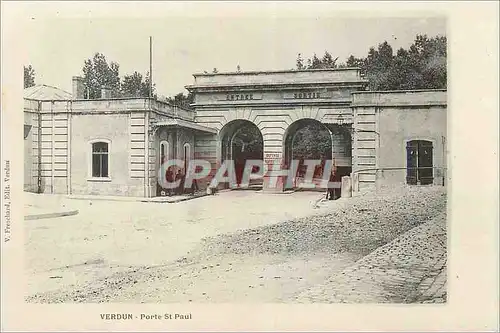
(164, 151)
(419, 162)
(100, 160)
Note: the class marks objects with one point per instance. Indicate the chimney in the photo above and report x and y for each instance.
(105, 93)
(78, 87)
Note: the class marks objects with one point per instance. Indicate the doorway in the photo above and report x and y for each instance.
(419, 167)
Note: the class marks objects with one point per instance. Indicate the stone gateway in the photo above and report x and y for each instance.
(116, 146)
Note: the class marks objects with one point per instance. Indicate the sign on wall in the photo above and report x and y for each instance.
(271, 158)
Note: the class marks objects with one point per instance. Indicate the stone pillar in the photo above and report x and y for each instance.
(273, 184)
(355, 182)
(346, 187)
(78, 87)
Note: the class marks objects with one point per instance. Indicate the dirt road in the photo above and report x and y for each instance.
(273, 262)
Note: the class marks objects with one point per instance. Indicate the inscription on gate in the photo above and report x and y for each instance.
(270, 158)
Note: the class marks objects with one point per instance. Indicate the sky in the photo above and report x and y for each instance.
(195, 37)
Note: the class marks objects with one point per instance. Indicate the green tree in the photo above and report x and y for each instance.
(97, 73)
(29, 76)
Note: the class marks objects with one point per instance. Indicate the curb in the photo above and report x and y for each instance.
(50, 215)
(177, 200)
(135, 199)
(124, 199)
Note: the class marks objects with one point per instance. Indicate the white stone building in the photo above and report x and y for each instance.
(115, 146)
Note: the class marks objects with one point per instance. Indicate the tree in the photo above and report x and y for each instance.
(315, 62)
(135, 85)
(29, 76)
(300, 62)
(182, 100)
(146, 87)
(355, 62)
(326, 61)
(312, 141)
(97, 73)
(248, 139)
(421, 66)
(378, 67)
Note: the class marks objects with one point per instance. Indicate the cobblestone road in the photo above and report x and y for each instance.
(412, 268)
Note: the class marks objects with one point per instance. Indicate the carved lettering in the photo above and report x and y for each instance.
(239, 97)
(308, 95)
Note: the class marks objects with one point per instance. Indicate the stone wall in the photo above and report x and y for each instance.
(279, 77)
(31, 146)
(67, 130)
(384, 122)
(126, 154)
(274, 102)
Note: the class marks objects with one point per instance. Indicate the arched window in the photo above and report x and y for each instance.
(164, 151)
(100, 159)
(187, 155)
(419, 168)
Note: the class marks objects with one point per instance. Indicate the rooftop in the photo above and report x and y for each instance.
(279, 71)
(46, 93)
(335, 76)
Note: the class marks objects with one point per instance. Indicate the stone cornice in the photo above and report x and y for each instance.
(275, 86)
(400, 105)
(280, 71)
(288, 103)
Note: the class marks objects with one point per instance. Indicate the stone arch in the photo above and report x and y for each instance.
(290, 134)
(240, 140)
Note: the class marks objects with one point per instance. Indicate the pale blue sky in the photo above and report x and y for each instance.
(194, 37)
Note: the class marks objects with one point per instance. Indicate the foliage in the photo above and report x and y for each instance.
(312, 141)
(134, 85)
(97, 73)
(182, 100)
(422, 66)
(248, 140)
(29, 76)
(326, 61)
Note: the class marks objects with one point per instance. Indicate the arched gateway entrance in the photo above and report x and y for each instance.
(241, 140)
(309, 139)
